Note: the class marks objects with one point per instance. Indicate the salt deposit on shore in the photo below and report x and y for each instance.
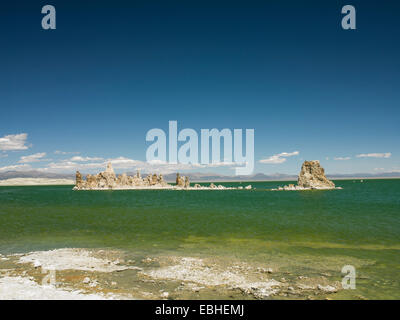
(35, 182)
(72, 259)
(111, 274)
(22, 288)
(207, 274)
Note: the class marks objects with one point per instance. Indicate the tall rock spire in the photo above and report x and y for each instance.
(110, 169)
(312, 175)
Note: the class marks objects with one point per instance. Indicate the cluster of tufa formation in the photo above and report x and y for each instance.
(312, 176)
(108, 180)
(182, 182)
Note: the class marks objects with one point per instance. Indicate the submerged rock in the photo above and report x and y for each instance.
(206, 274)
(327, 288)
(72, 259)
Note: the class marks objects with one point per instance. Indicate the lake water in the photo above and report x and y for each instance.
(298, 232)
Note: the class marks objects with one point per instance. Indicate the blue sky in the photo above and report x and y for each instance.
(111, 71)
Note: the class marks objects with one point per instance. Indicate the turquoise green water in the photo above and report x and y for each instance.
(303, 232)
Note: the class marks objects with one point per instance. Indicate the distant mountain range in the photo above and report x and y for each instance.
(206, 177)
(201, 177)
(35, 174)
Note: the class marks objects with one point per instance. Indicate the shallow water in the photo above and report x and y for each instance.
(304, 233)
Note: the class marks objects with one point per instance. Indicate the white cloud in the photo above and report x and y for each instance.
(64, 152)
(383, 170)
(69, 165)
(342, 158)
(225, 164)
(72, 166)
(33, 158)
(161, 166)
(151, 166)
(14, 142)
(18, 167)
(83, 159)
(279, 158)
(123, 163)
(374, 155)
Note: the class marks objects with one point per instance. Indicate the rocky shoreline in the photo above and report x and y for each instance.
(110, 274)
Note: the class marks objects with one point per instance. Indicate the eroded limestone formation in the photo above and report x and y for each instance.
(312, 175)
(182, 182)
(108, 180)
(79, 180)
(187, 183)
